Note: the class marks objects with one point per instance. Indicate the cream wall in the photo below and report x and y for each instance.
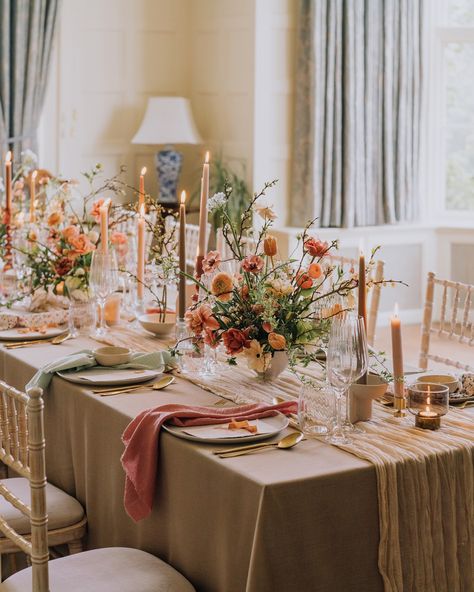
(232, 58)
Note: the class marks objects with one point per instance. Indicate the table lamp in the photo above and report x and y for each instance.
(168, 121)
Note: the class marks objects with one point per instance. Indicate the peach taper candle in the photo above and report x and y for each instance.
(141, 252)
(182, 256)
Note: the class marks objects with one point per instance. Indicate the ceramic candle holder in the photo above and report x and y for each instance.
(428, 402)
(362, 395)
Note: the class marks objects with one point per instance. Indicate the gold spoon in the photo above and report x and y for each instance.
(284, 444)
(156, 386)
(465, 404)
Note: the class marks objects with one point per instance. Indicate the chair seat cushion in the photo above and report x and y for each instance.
(114, 569)
(63, 509)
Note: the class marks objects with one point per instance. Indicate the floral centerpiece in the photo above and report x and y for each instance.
(259, 307)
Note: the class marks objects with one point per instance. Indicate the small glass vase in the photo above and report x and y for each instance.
(277, 365)
(82, 317)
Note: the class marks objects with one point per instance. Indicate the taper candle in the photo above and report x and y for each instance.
(362, 303)
(141, 190)
(8, 181)
(397, 355)
(203, 208)
(33, 176)
(182, 257)
(141, 252)
(104, 226)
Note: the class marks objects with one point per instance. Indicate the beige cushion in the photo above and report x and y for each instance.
(105, 570)
(63, 509)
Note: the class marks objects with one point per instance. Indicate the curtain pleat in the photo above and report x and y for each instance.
(27, 31)
(357, 116)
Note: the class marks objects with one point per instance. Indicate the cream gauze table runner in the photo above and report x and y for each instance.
(425, 484)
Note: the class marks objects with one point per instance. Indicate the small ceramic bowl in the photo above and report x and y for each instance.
(112, 356)
(446, 379)
(153, 323)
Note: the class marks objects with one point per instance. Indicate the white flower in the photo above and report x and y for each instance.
(80, 295)
(216, 201)
(93, 236)
(264, 211)
(29, 160)
(2, 185)
(281, 287)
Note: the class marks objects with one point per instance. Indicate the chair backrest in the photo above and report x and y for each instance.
(374, 281)
(192, 238)
(22, 449)
(455, 320)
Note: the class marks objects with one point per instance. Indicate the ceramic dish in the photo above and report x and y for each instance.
(109, 376)
(112, 356)
(151, 323)
(445, 379)
(269, 426)
(14, 335)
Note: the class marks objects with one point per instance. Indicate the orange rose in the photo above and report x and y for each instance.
(70, 232)
(270, 246)
(303, 280)
(55, 218)
(315, 247)
(277, 341)
(315, 271)
(221, 287)
(81, 245)
(95, 209)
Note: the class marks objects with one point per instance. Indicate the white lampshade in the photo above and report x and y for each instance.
(167, 120)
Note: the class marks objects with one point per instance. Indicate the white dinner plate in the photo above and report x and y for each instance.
(267, 426)
(14, 335)
(109, 376)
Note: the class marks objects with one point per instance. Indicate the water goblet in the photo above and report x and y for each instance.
(103, 281)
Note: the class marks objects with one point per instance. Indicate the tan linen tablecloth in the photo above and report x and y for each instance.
(304, 520)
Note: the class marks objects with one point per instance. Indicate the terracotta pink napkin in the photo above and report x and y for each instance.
(141, 436)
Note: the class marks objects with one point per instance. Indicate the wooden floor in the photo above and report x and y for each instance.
(411, 347)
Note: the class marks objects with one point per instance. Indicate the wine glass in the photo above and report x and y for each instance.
(103, 281)
(346, 363)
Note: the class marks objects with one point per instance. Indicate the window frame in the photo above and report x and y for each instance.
(433, 205)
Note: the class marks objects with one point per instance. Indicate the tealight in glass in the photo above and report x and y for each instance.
(428, 402)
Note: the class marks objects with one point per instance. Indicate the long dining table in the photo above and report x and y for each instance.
(304, 519)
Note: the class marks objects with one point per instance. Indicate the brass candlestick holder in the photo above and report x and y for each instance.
(400, 405)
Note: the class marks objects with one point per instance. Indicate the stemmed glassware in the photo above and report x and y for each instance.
(103, 281)
(346, 363)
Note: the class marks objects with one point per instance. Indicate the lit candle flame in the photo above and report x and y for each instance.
(395, 310)
(428, 400)
(183, 197)
(206, 160)
(34, 174)
(106, 204)
(361, 246)
(143, 172)
(8, 157)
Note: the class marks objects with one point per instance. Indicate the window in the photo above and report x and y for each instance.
(453, 70)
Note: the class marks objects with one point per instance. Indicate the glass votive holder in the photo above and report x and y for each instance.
(315, 409)
(428, 402)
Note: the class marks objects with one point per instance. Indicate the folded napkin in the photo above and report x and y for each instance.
(158, 360)
(140, 458)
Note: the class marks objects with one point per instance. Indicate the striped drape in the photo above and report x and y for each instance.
(357, 111)
(26, 36)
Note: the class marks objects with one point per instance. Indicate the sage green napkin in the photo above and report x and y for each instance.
(159, 360)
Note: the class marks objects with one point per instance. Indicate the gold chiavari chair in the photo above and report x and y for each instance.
(453, 322)
(23, 450)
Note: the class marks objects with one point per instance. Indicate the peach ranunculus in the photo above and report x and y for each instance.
(222, 286)
(252, 264)
(315, 247)
(118, 238)
(315, 271)
(277, 341)
(235, 340)
(55, 218)
(211, 261)
(81, 245)
(70, 232)
(95, 209)
(201, 318)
